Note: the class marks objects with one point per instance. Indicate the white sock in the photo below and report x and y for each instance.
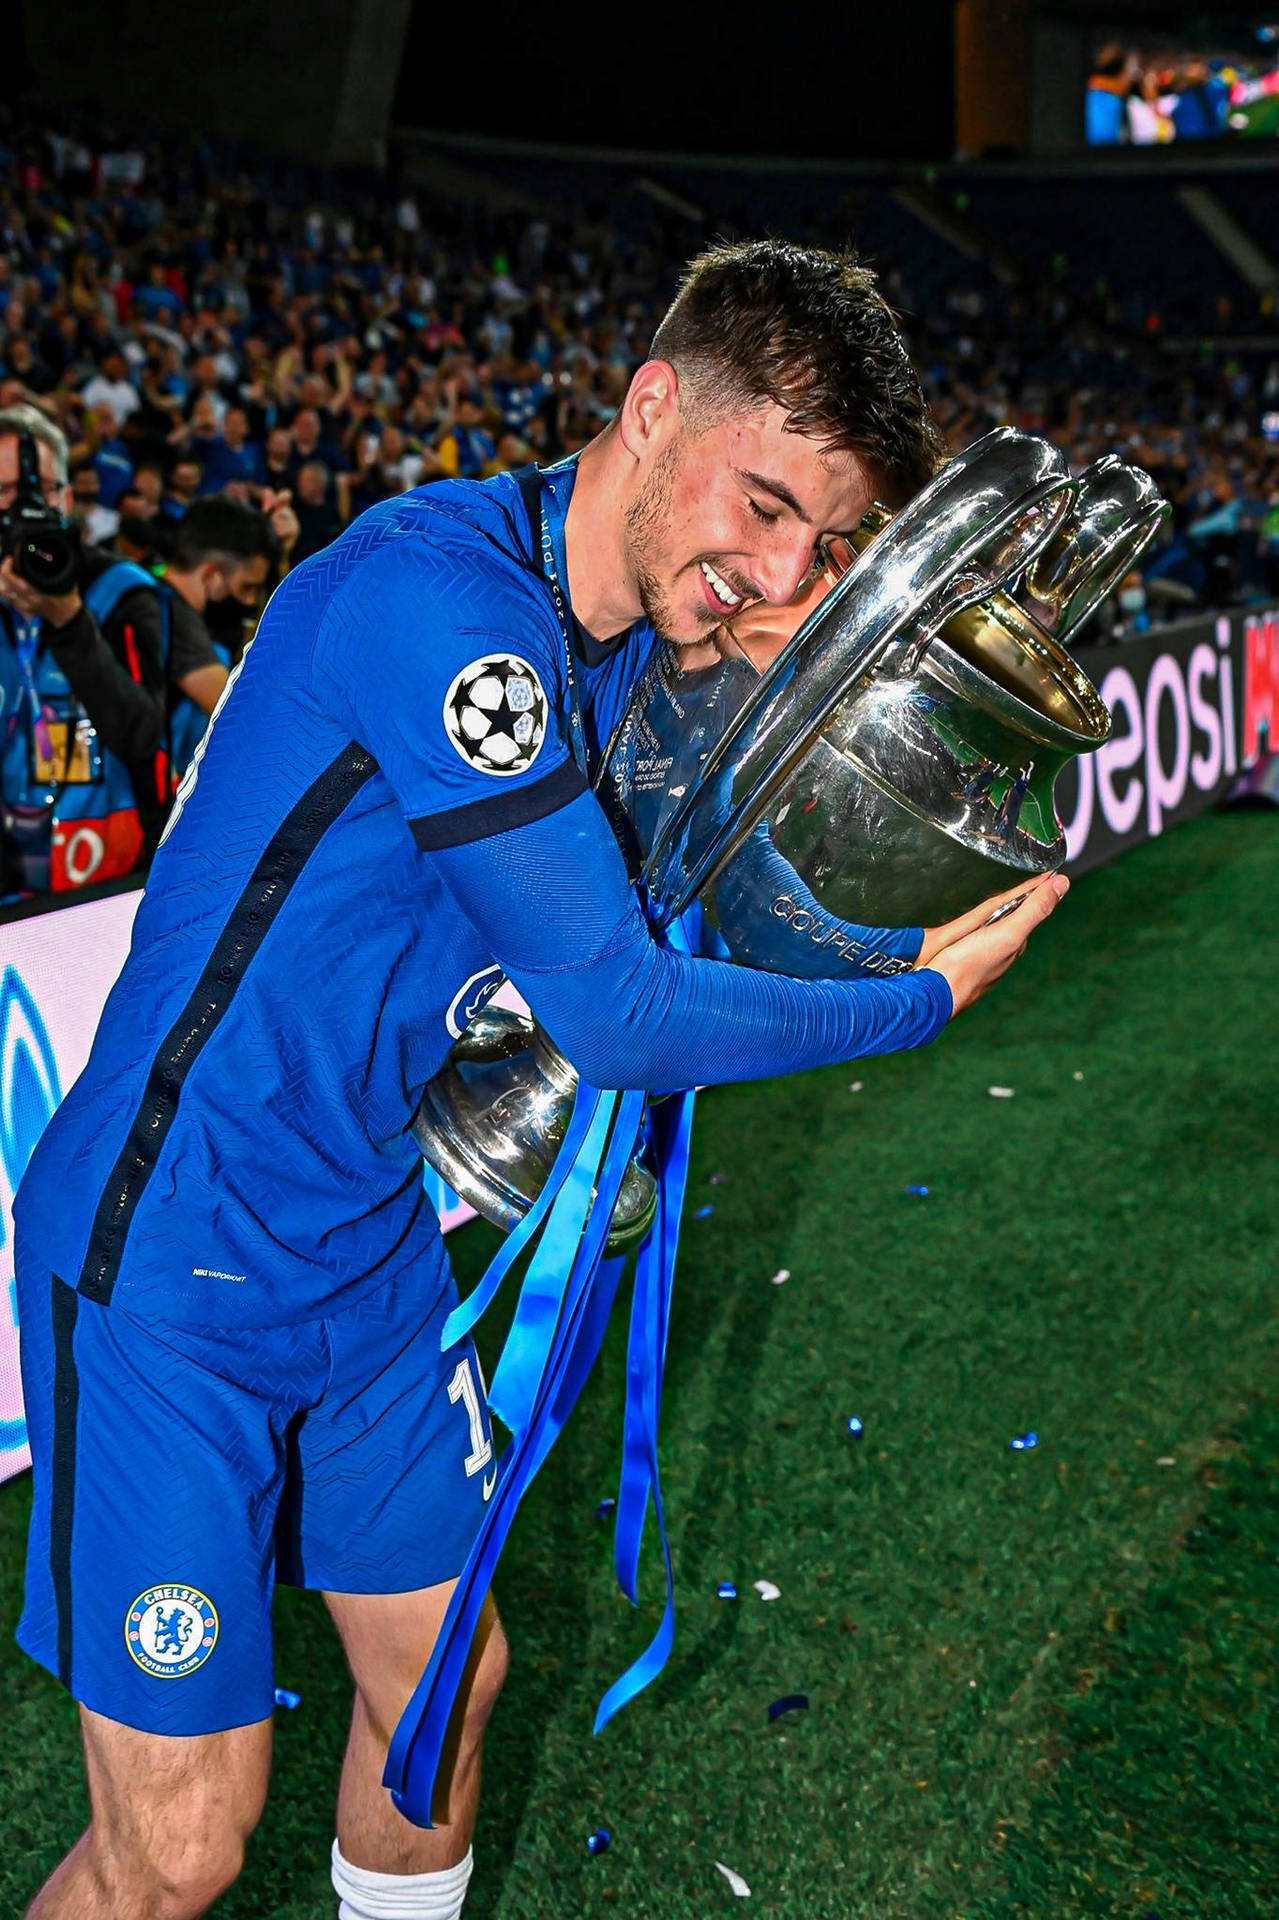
(365, 1895)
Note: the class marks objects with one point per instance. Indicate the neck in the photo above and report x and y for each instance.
(186, 586)
(600, 588)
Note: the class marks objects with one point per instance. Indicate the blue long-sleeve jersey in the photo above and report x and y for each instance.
(385, 811)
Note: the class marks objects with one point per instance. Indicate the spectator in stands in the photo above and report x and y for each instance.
(231, 456)
(183, 487)
(111, 460)
(310, 446)
(111, 386)
(317, 514)
(278, 470)
(82, 766)
(97, 523)
(465, 450)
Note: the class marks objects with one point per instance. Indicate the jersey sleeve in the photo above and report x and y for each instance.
(444, 658)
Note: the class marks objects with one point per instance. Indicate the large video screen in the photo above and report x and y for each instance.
(1153, 92)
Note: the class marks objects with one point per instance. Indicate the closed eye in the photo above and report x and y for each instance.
(769, 519)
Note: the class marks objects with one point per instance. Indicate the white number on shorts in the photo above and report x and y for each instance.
(462, 1387)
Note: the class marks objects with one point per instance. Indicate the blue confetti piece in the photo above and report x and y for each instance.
(855, 1426)
(789, 1703)
(703, 1213)
(921, 1191)
(604, 1508)
(726, 1590)
(599, 1841)
(284, 1697)
(1023, 1440)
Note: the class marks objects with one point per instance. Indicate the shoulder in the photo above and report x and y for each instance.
(447, 550)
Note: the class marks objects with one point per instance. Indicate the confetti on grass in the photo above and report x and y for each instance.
(856, 1086)
(1000, 1093)
(781, 1276)
(735, 1881)
(703, 1213)
(766, 1590)
(855, 1426)
(1021, 1441)
(789, 1703)
(604, 1508)
(726, 1590)
(921, 1191)
(285, 1697)
(599, 1841)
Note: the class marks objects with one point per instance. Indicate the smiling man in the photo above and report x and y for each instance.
(225, 1258)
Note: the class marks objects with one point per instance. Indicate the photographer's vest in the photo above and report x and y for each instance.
(70, 813)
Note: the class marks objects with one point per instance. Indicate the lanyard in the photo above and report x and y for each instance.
(26, 634)
(548, 525)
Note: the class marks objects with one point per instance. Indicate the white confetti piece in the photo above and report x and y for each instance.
(856, 1086)
(782, 1275)
(766, 1590)
(1077, 1076)
(1000, 1093)
(735, 1881)
(1166, 1460)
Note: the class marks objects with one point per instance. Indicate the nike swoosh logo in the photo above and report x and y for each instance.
(490, 1484)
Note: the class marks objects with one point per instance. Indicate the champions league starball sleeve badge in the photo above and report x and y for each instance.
(891, 763)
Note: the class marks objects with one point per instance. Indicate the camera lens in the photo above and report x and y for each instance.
(48, 558)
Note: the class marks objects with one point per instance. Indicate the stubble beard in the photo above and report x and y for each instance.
(647, 524)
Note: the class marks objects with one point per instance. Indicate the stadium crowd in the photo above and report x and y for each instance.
(225, 373)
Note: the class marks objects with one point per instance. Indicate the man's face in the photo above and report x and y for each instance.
(58, 496)
(306, 428)
(243, 582)
(732, 516)
(185, 479)
(277, 446)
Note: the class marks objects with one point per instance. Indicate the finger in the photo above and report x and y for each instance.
(1037, 906)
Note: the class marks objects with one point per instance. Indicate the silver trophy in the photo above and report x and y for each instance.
(882, 753)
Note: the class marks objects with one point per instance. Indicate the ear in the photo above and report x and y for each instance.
(649, 418)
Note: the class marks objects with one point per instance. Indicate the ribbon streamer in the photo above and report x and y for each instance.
(554, 1340)
(572, 1329)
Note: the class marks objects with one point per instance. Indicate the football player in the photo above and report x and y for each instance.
(231, 1285)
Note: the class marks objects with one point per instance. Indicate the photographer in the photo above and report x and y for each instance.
(83, 641)
(220, 559)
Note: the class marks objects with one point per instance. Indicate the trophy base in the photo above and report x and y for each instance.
(492, 1119)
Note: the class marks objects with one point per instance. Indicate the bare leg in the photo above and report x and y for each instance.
(170, 1816)
(388, 1638)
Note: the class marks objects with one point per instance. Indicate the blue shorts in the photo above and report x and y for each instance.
(179, 1473)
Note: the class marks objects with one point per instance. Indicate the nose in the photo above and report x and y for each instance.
(780, 574)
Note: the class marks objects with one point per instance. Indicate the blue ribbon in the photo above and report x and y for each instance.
(542, 1388)
(554, 1340)
(645, 1365)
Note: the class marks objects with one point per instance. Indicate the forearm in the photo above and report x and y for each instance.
(553, 903)
(651, 1018)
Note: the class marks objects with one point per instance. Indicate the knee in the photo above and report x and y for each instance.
(169, 1877)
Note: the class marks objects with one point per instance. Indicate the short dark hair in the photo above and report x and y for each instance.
(222, 529)
(767, 320)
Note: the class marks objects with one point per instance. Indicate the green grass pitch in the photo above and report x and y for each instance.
(1042, 1683)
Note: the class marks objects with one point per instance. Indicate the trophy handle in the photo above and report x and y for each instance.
(492, 1119)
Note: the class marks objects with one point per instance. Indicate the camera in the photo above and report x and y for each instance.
(41, 542)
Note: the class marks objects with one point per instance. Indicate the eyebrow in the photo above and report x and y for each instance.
(779, 490)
